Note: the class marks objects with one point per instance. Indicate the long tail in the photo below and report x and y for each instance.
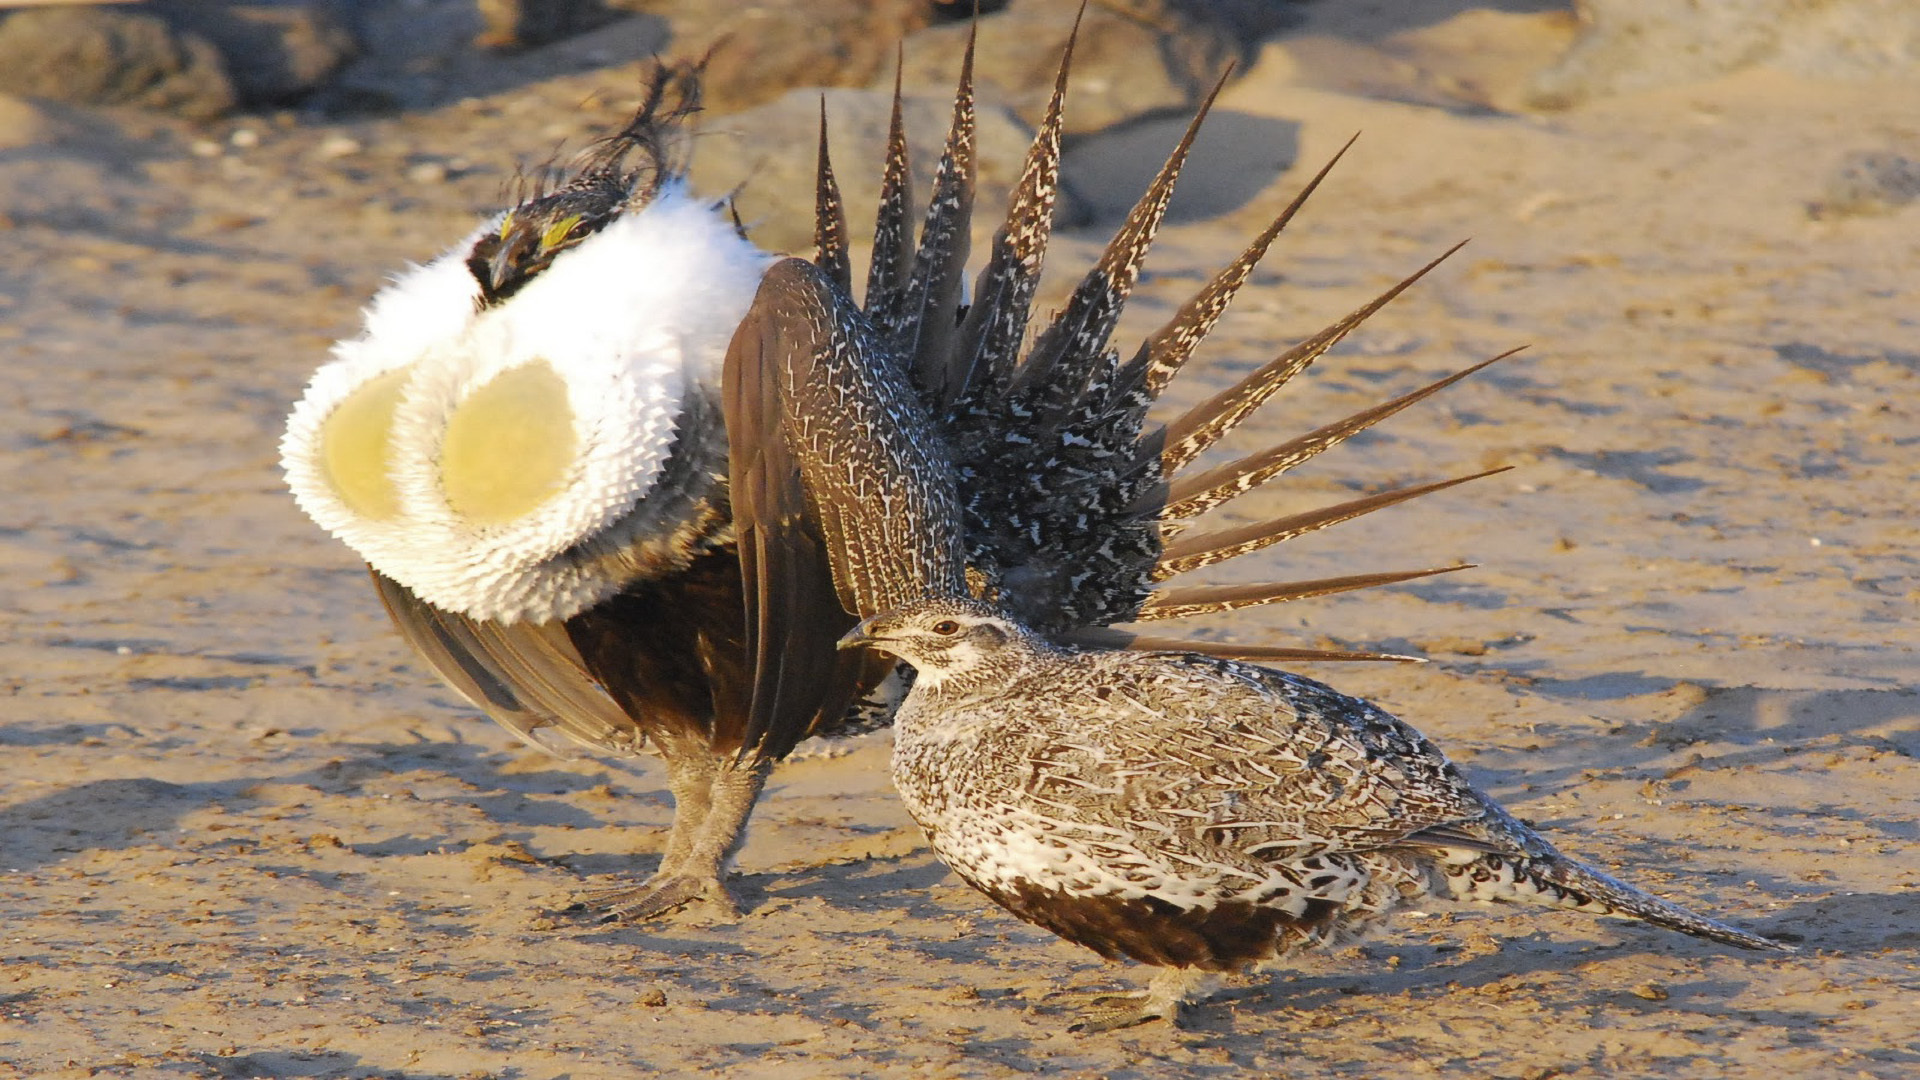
(1557, 881)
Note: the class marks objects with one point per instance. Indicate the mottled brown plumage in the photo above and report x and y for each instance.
(1195, 813)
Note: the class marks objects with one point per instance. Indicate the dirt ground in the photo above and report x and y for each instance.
(243, 835)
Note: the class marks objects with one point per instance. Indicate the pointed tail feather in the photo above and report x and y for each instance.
(1187, 601)
(996, 325)
(1064, 494)
(926, 332)
(1195, 494)
(830, 218)
(1204, 549)
(1107, 637)
(1063, 359)
(1162, 355)
(1561, 882)
(1192, 433)
(892, 234)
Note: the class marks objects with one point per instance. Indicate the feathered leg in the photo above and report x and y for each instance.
(690, 780)
(697, 781)
(736, 787)
(708, 827)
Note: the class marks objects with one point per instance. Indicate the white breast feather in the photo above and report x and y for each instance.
(629, 319)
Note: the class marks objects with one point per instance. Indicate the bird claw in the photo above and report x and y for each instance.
(1111, 1012)
(655, 897)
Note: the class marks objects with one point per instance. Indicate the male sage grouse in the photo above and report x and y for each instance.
(624, 478)
(1196, 813)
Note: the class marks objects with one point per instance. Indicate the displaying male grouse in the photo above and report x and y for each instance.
(1196, 813)
(623, 478)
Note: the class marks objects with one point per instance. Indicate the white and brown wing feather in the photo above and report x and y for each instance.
(842, 498)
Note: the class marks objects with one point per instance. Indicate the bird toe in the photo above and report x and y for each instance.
(1111, 1012)
(656, 897)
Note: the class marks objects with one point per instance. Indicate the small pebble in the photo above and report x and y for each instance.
(339, 146)
(244, 138)
(428, 172)
(652, 997)
(1652, 991)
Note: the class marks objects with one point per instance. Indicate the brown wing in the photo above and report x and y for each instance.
(843, 500)
(527, 676)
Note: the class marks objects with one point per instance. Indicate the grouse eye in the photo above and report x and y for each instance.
(946, 628)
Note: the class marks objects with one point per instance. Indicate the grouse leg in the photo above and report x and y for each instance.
(690, 780)
(736, 787)
(699, 846)
(691, 773)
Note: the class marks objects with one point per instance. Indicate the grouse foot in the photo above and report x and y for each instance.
(654, 897)
(1111, 1012)
(1165, 998)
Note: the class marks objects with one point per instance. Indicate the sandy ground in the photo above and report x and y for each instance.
(242, 835)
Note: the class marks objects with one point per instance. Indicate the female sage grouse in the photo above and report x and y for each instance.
(1196, 813)
(623, 477)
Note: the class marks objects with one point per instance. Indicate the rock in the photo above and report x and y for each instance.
(23, 124)
(1132, 57)
(1627, 45)
(1870, 183)
(752, 151)
(87, 56)
(515, 24)
(422, 55)
(1248, 21)
(275, 54)
(1479, 60)
(762, 50)
(963, 10)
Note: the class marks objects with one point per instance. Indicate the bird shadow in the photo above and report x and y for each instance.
(124, 813)
(321, 1063)
(1234, 159)
(1834, 365)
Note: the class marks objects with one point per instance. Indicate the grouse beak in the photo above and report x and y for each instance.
(857, 636)
(506, 258)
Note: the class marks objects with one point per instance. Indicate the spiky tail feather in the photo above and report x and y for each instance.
(1563, 883)
(1074, 502)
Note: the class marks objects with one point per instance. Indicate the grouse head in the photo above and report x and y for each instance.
(944, 637)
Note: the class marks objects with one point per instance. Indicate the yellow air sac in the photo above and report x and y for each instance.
(353, 447)
(508, 446)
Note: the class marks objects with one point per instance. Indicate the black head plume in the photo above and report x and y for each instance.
(558, 208)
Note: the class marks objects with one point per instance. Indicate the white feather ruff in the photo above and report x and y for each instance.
(629, 319)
